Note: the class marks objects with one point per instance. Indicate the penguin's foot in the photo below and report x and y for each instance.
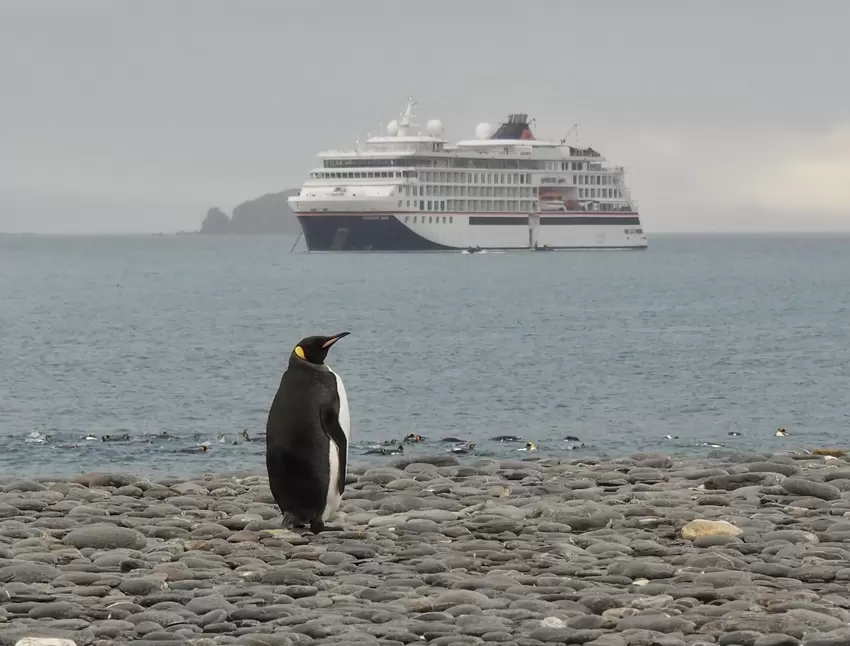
(290, 521)
(319, 526)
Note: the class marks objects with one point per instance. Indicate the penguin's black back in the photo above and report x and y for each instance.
(297, 445)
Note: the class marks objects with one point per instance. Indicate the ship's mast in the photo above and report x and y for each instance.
(406, 116)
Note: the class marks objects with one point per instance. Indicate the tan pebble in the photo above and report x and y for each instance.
(618, 613)
(702, 527)
(285, 534)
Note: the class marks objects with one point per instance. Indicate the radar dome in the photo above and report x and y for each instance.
(435, 127)
(392, 128)
(484, 130)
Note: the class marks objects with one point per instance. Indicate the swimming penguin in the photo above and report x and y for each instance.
(307, 435)
(781, 432)
(395, 449)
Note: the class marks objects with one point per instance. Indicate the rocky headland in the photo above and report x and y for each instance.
(647, 550)
(268, 214)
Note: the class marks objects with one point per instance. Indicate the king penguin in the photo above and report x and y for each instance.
(307, 435)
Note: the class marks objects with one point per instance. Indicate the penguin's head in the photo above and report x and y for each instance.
(314, 349)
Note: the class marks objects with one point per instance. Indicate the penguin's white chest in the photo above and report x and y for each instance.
(333, 499)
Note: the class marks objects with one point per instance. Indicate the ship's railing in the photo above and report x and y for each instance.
(602, 168)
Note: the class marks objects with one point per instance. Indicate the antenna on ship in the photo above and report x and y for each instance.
(405, 122)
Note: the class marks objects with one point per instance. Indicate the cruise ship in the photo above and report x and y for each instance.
(409, 190)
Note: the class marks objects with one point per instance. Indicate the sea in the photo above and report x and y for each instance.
(160, 355)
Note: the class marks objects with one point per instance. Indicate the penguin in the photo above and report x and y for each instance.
(307, 436)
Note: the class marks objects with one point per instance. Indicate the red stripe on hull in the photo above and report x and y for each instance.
(515, 214)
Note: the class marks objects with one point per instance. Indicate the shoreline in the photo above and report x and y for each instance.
(194, 464)
(437, 550)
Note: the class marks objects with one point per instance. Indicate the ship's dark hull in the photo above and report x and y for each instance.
(385, 232)
(362, 233)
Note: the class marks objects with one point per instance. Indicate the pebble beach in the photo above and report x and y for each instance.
(729, 549)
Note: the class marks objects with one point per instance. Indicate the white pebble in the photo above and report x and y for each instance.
(552, 622)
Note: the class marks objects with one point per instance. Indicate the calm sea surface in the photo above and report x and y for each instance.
(695, 338)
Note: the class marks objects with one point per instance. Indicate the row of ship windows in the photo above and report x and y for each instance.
(473, 206)
(484, 206)
(431, 218)
(459, 177)
(442, 162)
(610, 193)
(429, 190)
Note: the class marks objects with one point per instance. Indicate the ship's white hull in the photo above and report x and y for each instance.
(402, 231)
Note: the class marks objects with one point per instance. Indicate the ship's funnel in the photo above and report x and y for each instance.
(516, 127)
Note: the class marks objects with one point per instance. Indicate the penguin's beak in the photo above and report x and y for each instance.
(334, 339)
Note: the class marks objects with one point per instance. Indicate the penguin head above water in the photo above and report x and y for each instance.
(314, 349)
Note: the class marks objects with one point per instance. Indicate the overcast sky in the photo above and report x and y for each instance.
(120, 116)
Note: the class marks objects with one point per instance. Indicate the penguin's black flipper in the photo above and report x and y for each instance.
(330, 423)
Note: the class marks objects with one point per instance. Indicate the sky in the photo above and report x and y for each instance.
(119, 116)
